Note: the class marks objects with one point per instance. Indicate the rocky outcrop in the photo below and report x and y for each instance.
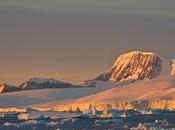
(138, 65)
(173, 67)
(4, 88)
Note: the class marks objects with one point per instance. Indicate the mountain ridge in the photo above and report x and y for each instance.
(36, 83)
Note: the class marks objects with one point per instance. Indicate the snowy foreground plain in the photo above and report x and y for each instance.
(32, 97)
(163, 87)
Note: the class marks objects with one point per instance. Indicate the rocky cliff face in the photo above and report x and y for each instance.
(139, 65)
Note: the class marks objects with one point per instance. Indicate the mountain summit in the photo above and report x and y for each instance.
(139, 65)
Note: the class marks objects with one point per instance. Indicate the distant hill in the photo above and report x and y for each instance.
(37, 83)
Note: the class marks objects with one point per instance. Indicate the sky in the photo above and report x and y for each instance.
(75, 40)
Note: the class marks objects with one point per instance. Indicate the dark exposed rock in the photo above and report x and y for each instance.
(4, 88)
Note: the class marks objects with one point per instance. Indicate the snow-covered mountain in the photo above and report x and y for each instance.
(39, 83)
(4, 88)
(157, 94)
(139, 65)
